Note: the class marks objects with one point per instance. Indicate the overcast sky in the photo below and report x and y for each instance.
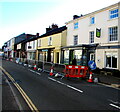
(32, 16)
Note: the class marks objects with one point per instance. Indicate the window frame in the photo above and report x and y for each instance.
(113, 13)
(111, 54)
(50, 41)
(91, 37)
(92, 20)
(110, 36)
(76, 25)
(75, 42)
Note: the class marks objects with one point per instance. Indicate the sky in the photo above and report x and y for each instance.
(34, 16)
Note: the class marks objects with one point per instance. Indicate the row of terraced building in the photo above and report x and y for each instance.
(94, 36)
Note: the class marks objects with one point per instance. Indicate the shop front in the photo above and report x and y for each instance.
(82, 54)
(46, 55)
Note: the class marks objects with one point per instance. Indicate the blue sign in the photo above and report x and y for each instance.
(92, 65)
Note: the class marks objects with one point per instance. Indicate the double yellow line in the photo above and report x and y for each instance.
(26, 98)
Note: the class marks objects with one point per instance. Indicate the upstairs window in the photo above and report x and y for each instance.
(76, 25)
(75, 39)
(92, 37)
(92, 20)
(114, 13)
(39, 42)
(113, 33)
(50, 41)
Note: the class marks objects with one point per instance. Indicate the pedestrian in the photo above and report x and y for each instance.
(74, 62)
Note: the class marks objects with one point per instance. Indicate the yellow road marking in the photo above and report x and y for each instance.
(24, 95)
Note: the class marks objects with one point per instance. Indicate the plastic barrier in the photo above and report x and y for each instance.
(76, 71)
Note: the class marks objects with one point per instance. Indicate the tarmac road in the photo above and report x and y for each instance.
(50, 93)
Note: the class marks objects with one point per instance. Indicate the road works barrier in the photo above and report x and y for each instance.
(59, 69)
(47, 66)
(76, 71)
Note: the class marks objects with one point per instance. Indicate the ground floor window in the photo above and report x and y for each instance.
(111, 59)
(66, 57)
(31, 55)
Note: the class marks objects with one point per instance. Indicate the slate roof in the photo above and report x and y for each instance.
(54, 31)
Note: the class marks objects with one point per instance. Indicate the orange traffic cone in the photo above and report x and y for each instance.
(51, 71)
(90, 78)
(11, 60)
(35, 67)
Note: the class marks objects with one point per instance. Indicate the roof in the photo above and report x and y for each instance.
(54, 31)
(24, 38)
(89, 14)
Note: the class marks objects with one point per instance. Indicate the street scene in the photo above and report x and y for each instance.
(52, 62)
(56, 93)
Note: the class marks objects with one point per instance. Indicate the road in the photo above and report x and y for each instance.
(50, 93)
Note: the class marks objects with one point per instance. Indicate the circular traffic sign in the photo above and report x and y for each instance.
(92, 65)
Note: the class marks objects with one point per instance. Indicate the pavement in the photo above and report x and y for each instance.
(108, 80)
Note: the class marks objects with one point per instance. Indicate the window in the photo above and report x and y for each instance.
(113, 33)
(92, 20)
(76, 25)
(39, 42)
(114, 13)
(50, 41)
(92, 37)
(75, 39)
(111, 59)
(92, 56)
(33, 44)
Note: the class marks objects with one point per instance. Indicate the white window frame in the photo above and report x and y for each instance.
(111, 54)
(91, 36)
(113, 14)
(39, 43)
(76, 25)
(75, 41)
(91, 20)
(112, 39)
(50, 41)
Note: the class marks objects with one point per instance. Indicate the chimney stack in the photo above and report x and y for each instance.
(37, 35)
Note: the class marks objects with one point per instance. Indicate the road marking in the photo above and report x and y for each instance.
(71, 87)
(75, 88)
(34, 72)
(114, 106)
(24, 95)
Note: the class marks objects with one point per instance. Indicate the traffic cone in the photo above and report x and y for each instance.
(51, 71)
(90, 78)
(35, 67)
(11, 60)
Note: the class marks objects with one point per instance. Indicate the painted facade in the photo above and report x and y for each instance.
(49, 45)
(95, 36)
(31, 48)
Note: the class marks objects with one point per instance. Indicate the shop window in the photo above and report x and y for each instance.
(114, 13)
(113, 33)
(111, 60)
(66, 57)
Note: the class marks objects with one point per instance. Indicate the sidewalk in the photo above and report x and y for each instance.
(8, 99)
(108, 79)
